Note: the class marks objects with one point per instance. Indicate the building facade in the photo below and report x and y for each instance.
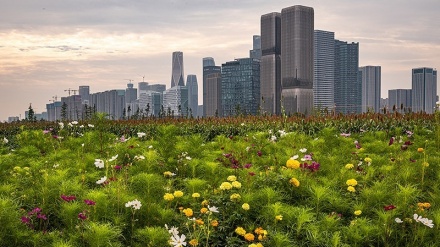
(370, 78)
(399, 100)
(175, 101)
(193, 94)
(84, 92)
(424, 90)
(256, 47)
(212, 80)
(177, 78)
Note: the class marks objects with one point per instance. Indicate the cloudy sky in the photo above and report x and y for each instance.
(49, 46)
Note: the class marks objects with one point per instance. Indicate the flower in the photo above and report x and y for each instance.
(249, 237)
(398, 220)
(236, 184)
(240, 231)
(427, 222)
(173, 230)
(195, 195)
(292, 163)
(345, 134)
(235, 197)
(351, 189)
(294, 182)
(178, 193)
(135, 204)
(82, 216)
(245, 206)
(303, 150)
(25, 220)
(5, 141)
(199, 222)
(168, 197)
(91, 125)
(168, 174)
(259, 153)
(204, 203)
(247, 166)
(279, 217)
(99, 163)
(357, 212)
(193, 242)
(232, 178)
(68, 198)
(351, 182)
(204, 210)
(178, 241)
(139, 157)
(368, 160)
(102, 180)
(389, 207)
(61, 124)
(141, 134)
(113, 158)
(226, 186)
(349, 166)
(214, 223)
(213, 209)
(89, 202)
(425, 164)
(420, 150)
(188, 212)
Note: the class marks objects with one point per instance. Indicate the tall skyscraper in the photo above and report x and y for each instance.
(241, 87)
(84, 92)
(424, 89)
(142, 87)
(130, 99)
(175, 101)
(212, 86)
(399, 100)
(193, 94)
(177, 70)
(297, 25)
(348, 95)
(270, 64)
(256, 47)
(324, 70)
(370, 78)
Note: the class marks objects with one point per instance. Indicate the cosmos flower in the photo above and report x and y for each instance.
(102, 180)
(99, 163)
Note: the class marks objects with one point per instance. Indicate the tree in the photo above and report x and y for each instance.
(31, 115)
(64, 112)
(123, 114)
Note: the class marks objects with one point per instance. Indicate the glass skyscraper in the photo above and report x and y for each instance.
(370, 78)
(177, 69)
(424, 89)
(193, 94)
(399, 100)
(324, 70)
(212, 87)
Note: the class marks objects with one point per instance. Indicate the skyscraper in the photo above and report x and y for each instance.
(424, 89)
(324, 70)
(130, 99)
(212, 80)
(193, 94)
(297, 25)
(84, 92)
(256, 47)
(270, 63)
(370, 77)
(175, 100)
(399, 100)
(348, 96)
(177, 70)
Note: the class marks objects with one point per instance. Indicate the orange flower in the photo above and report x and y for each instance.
(249, 237)
(194, 242)
(420, 150)
(199, 222)
(203, 210)
(188, 212)
(214, 223)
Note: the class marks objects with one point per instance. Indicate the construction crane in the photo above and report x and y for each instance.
(130, 80)
(71, 90)
(54, 98)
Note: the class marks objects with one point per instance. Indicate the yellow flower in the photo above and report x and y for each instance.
(351, 182)
(235, 197)
(420, 150)
(259, 230)
(204, 210)
(252, 245)
(245, 206)
(294, 182)
(194, 242)
(236, 184)
(279, 217)
(232, 178)
(357, 212)
(188, 212)
(195, 195)
(178, 193)
(226, 186)
(168, 174)
(351, 189)
(368, 160)
(214, 223)
(240, 231)
(260, 245)
(249, 237)
(168, 197)
(199, 222)
(349, 166)
(425, 164)
(205, 203)
(291, 163)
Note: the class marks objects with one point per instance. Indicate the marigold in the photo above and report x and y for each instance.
(249, 237)
(425, 164)
(204, 210)
(235, 197)
(357, 212)
(291, 163)
(195, 195)
(236, 184)
(188, 212)
(351, 189)
(294, 182)
(205, 203)
(199, 222)
(168, 174)
(352, 182)
(178, 193)
(194, 242)
(349, 166)
(168, 197)
(232, 178)
(259, 230)
(279, 217)
(226, 186)
(214, 223)
(420, 150)
(368, 160)
(245, 206)
(240, 231)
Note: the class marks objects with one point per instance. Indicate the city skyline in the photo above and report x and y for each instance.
(47, 46)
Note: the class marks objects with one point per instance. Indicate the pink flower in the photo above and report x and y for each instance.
(345, 134)
(68, 198)
(247, 166)
(82, 216)
(89, 202)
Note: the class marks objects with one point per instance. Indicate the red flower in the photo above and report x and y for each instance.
(89, 202)
(68, 198)
(389, 207)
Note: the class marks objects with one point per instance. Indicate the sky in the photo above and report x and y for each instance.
(50, 46)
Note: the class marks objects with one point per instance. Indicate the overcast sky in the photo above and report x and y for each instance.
(49, 46)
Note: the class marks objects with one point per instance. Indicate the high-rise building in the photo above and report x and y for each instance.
(74, 107)
(324, 70)
(240, 87)
(160, 88)
(270, 64)
(424, 89)
(348, 94)
(212, 87)
(110, 102)
(256, 47)
(399, 100)
(84, 92)
(175, 101)
(193, 94)
(297, 25)
(150, 103)
(142, 87)
(177, 69)
(370, 79)
(130, 97)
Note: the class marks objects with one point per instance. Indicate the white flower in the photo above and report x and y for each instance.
(113, 158)
(273, 138)
(282, 133)
(5, 140)
(188, 158)
(82, 145)
(102, 180)
(140, 157)
(74, 122)
(294, 157)
(270, 132)
(247, 149)
(56, 165)
(173, 230)
(345, 134)
(99, 163)
(135, 204)
(150, 147)
(70, 124)
(123, 139)
(141, 134)
(61, 124)
(242, 124)
(398, 220)
(177, 241)
(303, 150)
(425, 221)
(81, 126)
(91, 125)
(213, 209)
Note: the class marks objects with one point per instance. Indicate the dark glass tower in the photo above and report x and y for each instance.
(177, 69)
(212, 79)
(193, 94)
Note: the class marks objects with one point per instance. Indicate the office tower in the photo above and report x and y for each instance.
(54, 111)
(193, 94)
(324, 70)
(399, 100)
(84, 92)
(297, 25)
(256, 47)
(212, 80)
(142, 87)
(160, 88)
(208, 61)
(270, 64)
(240, 87)
(150, 103)
(348, 96)
(177, 69)
(175, 101)
(130, 94)
(110, 102)
(74, 107)
(424, 89)
(370, 79)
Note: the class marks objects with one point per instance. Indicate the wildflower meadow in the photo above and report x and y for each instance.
(370, 180)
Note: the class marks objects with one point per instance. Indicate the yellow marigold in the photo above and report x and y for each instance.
(249, 237)
(194, 242)
(420, 150)
(349, 166)
(235, 197)
(178, 193)
(199, 222)
(232, 178)
(245, 206)
(204, 210)
(236, 184)
(168, 174)
(226, 186)
(368, 160)
(205, 203)
(260, 245)
(426, 205)
(291, 163)
(168, 197)
(351, 182)
(357, 212)
(261, 237)
(294, 182)
(214, 223)
(351, 189)
(240, 231)
(195, 195)
(279, 217)
(252, 245)
(425, 164)
(259, 230)
(188, 212)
